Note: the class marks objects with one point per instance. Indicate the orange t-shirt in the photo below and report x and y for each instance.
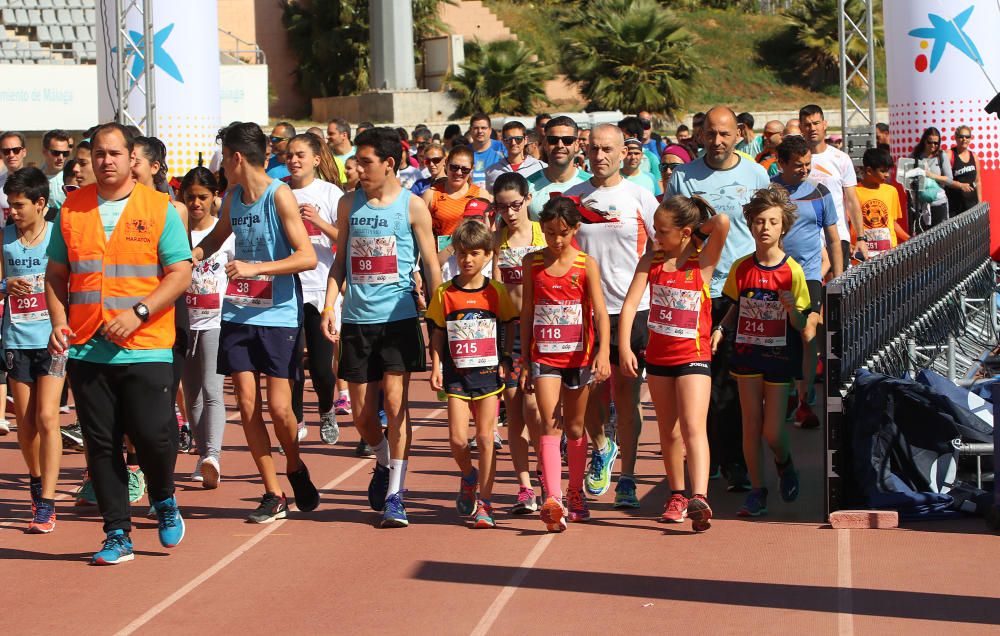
(446, 212)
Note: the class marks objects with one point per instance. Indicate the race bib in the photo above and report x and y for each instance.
(373, 260)
(511, 270)
(473, 343)
(202, 305)
(316, 236)
(761, 322)
(879, 240)
(558, 328)
(33, 307)
(674, 312)
(255, 291)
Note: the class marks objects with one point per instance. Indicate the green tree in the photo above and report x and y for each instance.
(629, 55)
(499, 77)
(813, 28)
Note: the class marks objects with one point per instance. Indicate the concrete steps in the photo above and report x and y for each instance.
(474, 21)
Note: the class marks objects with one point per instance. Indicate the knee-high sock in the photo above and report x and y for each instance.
(552, 465)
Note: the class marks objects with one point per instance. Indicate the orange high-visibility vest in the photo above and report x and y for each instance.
(109, 276)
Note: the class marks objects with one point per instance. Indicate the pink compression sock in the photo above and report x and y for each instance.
(552, 465)
(576, 457)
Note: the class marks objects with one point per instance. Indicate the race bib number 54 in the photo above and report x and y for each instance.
(674, 312)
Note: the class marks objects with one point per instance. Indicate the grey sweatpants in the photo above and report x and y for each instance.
(203, 392)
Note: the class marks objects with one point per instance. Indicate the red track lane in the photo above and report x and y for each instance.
(332, 571)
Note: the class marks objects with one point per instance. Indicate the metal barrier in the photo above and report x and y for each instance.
(900, 311)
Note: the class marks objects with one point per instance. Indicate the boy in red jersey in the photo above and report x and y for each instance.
(678, 356)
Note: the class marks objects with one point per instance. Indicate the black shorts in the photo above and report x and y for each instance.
(367, 352)
(815, 295)
(574, 378)
(677, 370)
(27, 365)
(273, 351)
(639, 337)
(472, 386)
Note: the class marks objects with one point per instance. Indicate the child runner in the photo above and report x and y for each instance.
(26, 332)
(262, 311)
(382, 229)
(771, 297)
(470, 311)
(562, 300)
(518, 236)
(202, 383)
(679, 356)
(880, 210)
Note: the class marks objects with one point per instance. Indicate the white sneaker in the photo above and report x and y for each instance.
(196, 475)
(210, 473)
(303, 431)
(4, 427)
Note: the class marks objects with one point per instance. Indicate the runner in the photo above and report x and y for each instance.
(562, 301)
(433, 166)
(513, 136)
(487, 151)
(56, 149)
(880, 208)
(561, 144)
(35, 385)
(262, 311)
(616, 235)
(632, 167)
(771, 297)
(446, 199)
(338, 136)
(283, 131)
(13, 151)
(202, 383)
(382, 229)
(517, 237)
(118, 260)
(679, 355)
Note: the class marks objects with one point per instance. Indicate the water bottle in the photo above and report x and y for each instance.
(57, 367)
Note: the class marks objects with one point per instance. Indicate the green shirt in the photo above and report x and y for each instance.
(56, 195)
(172, 248)
(540, 188)
(646, 181)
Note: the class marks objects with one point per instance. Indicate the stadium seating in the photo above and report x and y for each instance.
(48, 32)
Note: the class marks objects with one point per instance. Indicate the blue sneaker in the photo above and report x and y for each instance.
(599, 474)
(117, 549)
(789, 484)
(465, 502)
(394, 515)
(625, 493)
(378, 487)
(171, 524)
(755, 505)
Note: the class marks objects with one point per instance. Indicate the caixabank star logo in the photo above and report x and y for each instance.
(942, 33)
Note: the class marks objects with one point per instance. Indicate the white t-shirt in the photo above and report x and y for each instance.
(208, 283)
(834, 169)
(618, 243)
(325, 196)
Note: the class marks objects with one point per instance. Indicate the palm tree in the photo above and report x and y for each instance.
(629, 55)
(499, 77)
(814, 26)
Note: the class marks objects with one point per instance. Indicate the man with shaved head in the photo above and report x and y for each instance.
(792, 128)
(774, 133)
(617, 238)
(727, 181)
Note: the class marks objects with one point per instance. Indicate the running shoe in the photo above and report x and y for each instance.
(473, 444)
(465, 502)
(738, 479)
(117, 548)
(525, 503)
(789, 483)
(553, 515)
(35, 489)
(85, 495)
(378, 487)
(676, 510)
(790, 405)
(543, 495)
(700, 513)
(170, 522)
(306, 495)
(136, 484)
(271, 507)
(302, 432)
(484, 516)
(342, 406)
(64, 409)
(211, 474)
(185, 442)
(578, 510)
(394, 515)
(599, 473)
(805, 418)
(4, 427)
(716, 473)
(363, 449)
(151, 513)
(72, 436)
(625, 493)
(755, 504)
(497, 441)
(196, 473)
(43, 518)
(329, 430)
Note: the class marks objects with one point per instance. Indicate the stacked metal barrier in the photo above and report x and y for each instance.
(898, 311)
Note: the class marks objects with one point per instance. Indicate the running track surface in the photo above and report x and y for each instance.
(333, 571)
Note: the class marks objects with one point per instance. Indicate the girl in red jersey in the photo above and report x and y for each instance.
(679, 355)
(562, 300)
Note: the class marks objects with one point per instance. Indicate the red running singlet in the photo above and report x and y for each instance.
(680, 314)
(563, 325)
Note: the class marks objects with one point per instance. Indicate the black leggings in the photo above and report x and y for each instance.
(320, 364)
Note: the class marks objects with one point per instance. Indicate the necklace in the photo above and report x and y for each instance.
(21, 235)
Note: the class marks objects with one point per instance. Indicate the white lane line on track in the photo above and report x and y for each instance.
(496, 607)
(191, 585)
(845, 609)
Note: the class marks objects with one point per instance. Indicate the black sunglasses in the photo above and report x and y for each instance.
(669, 166)
(554, 139)
(59, 153)
(16, 150)
(963, 136)
(433, 160)
(278, 140)
(646, 124)
(460, 169)
(516, 139)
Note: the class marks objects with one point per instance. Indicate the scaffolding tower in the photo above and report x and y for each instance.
(857, 77)
(139, 112)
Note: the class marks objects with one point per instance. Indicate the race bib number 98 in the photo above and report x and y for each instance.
(373, 260)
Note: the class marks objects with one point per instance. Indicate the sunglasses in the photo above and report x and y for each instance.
(646, 124)
(433, 160)
(513, 205)
(517, 139)
(669, 166)
(459, 169)
(554, 139)
(963, 136)
(278, 140)
(58, 153)
(70, 188)
(16, 150)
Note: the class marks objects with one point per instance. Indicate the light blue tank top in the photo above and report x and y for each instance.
(267, 301)
(380, 261)
(26, 321)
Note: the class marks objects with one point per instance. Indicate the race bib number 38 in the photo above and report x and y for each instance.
(257, 291)
(558, 328)
(373, 260)
(31, 307)
(761, 323)
(473, 343)
(674, 312)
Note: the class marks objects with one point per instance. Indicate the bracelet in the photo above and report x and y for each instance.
(327, 308)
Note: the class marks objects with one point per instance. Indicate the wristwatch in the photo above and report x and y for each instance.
(142, 311)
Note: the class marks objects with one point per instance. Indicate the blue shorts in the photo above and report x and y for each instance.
(272, 351)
